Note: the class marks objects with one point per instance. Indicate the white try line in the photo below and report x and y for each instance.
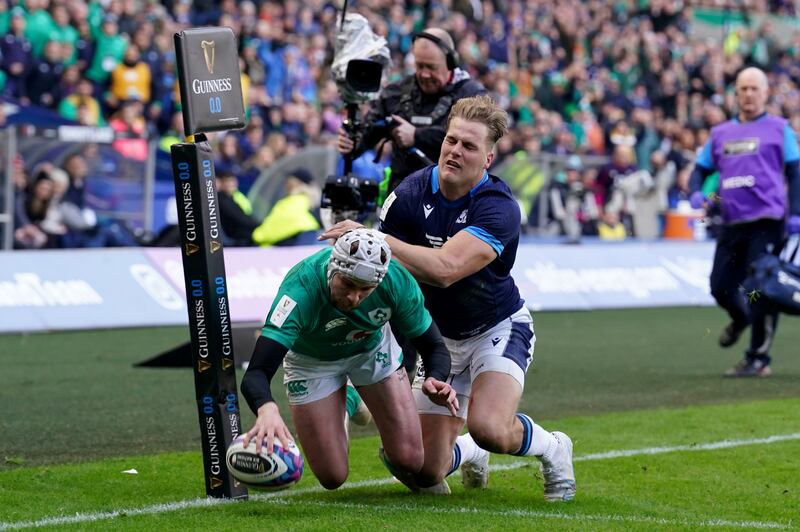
(277, 497)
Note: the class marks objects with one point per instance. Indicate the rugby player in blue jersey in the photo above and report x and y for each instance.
(456, 228)
(756, 155)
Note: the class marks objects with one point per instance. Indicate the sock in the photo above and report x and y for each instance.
(465, 451)
(535, 440)
(352, 401)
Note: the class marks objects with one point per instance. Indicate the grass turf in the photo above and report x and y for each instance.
(76, 396)
(746, 486)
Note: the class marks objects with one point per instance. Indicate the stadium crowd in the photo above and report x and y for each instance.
(628, 80)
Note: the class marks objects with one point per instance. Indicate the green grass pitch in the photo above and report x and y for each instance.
(662, 441)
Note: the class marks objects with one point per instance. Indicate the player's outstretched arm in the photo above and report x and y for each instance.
(459, 257)
(436, 361)
(267, 358)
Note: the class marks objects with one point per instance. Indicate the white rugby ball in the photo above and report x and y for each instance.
(278, 470)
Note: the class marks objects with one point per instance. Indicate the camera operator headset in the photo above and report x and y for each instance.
(412, 112)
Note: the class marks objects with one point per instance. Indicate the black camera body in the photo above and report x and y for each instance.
(351, 196)
(349, 193)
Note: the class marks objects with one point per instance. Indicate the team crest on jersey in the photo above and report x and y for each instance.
(380, 315)
(282, 310)
(335, 322)
(462, 218)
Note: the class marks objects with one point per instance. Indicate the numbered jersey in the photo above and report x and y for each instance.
(303, 319)
(417, 213)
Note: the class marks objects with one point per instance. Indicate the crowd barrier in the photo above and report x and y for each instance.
(89, 289)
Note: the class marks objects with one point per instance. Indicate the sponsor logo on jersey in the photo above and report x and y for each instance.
(335, 322)
(428, 210)
(352, 337)
(462, 218)
(741, 146)
(435, 241)
(380, 315)
(297, 388)
(282, 310)
(739, 181)
(495, 341)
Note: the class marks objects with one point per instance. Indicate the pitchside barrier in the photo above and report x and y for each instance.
(143, 287)
(211, 95)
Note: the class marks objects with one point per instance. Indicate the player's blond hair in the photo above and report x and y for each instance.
(484, 110)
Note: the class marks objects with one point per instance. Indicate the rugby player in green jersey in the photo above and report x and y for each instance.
(329, 322)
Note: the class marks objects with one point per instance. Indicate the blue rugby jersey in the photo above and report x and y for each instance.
(417, 213)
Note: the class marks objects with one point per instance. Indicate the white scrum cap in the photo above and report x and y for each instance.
(362, 255)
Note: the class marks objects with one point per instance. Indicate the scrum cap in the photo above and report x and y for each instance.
(362, 255)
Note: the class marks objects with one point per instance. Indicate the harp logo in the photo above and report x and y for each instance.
(209, 50)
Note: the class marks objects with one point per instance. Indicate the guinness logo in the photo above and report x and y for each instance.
(215, 246)
(215, 483)
(226, 363)
(202, 365)
(192, 248)
(208, 52)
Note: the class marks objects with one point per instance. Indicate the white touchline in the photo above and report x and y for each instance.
(276, 498)
(543, 515)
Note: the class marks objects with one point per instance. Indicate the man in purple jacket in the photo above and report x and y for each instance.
(756, 155)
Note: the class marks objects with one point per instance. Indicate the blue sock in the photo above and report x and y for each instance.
(527, 434)
(456, 459)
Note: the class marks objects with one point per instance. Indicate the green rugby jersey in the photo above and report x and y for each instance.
(303, 319)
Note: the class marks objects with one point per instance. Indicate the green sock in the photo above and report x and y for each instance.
(352, 401)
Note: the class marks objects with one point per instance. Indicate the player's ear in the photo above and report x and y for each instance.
(489, 159)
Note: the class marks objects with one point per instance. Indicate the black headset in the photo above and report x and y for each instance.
(450, 54)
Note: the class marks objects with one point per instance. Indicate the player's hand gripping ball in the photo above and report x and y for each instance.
(275, 471)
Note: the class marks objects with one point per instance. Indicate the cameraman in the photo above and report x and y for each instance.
(417, 106)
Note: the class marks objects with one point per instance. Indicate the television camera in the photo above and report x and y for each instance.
(349, 196)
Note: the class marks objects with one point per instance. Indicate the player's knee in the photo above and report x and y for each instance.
(407, 457)
(429, 477)
(331, 480)
(492, 435)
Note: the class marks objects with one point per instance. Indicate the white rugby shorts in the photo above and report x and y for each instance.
(505, 348)
(309, 379)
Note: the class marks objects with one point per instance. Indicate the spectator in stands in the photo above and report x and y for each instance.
(64, 34)
(234, 211)
(418, 105)
(229, 155)
(39, 25)
(108, 53)
(43, 82)
(82, 98)
(263, 158)
(621, 165)
(31, 210)
(291, 222)
(756, 155)
(27, 233)
(17, 57)
(610, 227)
(131, 130)
(130, 80)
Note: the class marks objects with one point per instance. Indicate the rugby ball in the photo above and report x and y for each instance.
(275, 471)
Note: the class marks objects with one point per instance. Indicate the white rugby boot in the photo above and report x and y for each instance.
(475, 475)
(559, 475)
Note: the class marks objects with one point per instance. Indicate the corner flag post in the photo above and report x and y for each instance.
(211, 96)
